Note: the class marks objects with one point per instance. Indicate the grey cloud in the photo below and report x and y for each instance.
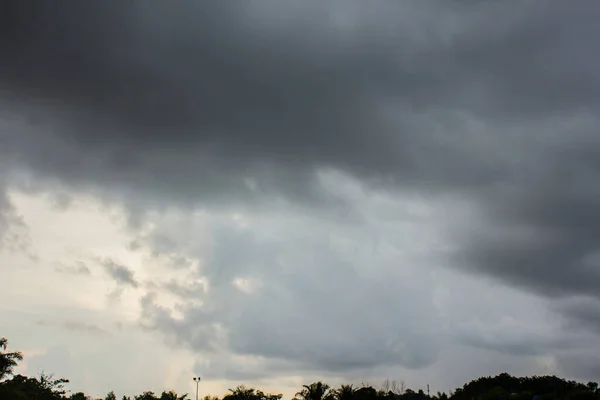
(61, 201)
(190, 290)
(584, 366)
(538, 233)
(78, 269)
(119, 272)
(517, 344)
(7, 217)
(317, 312)
(237, 91)
(14, 232)
(484, 104)
(229, 367)
(371, 95)
(75, 326)
(114, 297)
(580, 313)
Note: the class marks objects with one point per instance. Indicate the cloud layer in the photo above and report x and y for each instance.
(306, 180)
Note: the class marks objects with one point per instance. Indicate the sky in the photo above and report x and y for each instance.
(272, 192)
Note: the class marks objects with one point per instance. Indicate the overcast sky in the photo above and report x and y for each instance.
(272, 192)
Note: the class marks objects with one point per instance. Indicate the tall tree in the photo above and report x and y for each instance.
(46, 387)
(244, 393)
(8, 360)
(345, 392)
(78, 396)
(366, 393)
(241, 393)
(315, 391)
(171, 395)
(147, 395)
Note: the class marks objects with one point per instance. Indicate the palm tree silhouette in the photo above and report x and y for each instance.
(8, 361)
(315, 391)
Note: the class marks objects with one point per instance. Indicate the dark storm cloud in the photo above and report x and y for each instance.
(581, 313)
(539, 231)
(493, 103)
(277, 85)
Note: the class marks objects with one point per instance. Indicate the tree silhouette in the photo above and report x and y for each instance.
(345, 392)
(241, 393)
(8, 361)
(78, 396)
(171, 395)
(315, 391)
(367, 393)
(244, 393)
(147, 395)
(46, 387)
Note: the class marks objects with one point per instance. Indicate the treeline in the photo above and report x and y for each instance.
(500, 387)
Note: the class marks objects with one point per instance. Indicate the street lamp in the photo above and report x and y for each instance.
(197, 380)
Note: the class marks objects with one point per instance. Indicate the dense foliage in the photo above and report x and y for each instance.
(500, 387)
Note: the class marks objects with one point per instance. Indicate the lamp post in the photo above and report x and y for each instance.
(197, 380)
